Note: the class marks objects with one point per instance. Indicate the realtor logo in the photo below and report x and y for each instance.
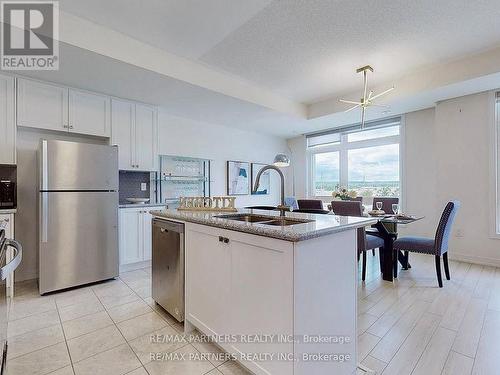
(30, 35)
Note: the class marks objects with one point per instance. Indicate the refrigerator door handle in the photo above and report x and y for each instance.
(44, 168)
(45, 216)
(16, 260)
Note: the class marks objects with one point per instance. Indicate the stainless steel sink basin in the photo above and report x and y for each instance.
(265, 220)
(249, 218)
(285, 222)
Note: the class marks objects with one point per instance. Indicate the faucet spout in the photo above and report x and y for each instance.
(282, 206)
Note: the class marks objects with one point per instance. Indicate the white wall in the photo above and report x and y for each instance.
(183, 137)
(449, 156)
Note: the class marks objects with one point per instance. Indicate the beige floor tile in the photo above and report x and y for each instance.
(117, 361)
(33, 322)
(95, 342)
(75, 297)
(129, 310)
(180, 366)
(86, 324)
(112, 288)
(435, 354)
(77, 311)
(134, 275)
(24, 308)
(233, 368)
(365, 320)
(35, 340)
(68, 370)
(118, 300)
(144, 292)
(40, 362)
(139, 371)
(166, 340)
(458, 364)
(141, 325)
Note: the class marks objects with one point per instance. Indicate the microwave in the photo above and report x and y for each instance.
(8, 198)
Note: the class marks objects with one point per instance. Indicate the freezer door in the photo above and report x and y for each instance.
(77, 166)
(78, 238)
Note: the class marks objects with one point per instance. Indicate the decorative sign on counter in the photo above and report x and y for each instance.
(222, 204)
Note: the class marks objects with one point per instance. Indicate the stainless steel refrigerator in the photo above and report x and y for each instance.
(78, 214)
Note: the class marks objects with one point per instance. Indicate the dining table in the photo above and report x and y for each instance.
(387, 229)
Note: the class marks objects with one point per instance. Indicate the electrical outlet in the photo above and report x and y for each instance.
(144, 186)
(459, 233)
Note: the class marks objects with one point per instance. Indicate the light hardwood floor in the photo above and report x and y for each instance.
(408, 327)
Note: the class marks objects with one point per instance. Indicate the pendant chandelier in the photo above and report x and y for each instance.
(368, 97)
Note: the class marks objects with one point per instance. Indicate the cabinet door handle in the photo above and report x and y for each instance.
(221, 239)
(71, 126)
(65, 126)
(226, 240)
(163, 230)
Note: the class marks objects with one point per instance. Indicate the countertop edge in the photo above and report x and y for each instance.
(262, 231)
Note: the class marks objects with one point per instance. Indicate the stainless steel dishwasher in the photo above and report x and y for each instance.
(168, 266)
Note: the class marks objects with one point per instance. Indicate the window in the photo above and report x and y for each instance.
(366, 161)
(326, 172)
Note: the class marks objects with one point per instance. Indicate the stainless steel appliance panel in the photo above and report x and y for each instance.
(168, 266)
(78, 238)
(77, 166)
(6, 269)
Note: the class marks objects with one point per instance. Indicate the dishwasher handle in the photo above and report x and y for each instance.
(168, 226)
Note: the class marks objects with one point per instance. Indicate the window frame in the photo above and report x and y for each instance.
(343, 148)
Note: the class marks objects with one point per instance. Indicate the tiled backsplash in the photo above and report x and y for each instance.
(130, 185)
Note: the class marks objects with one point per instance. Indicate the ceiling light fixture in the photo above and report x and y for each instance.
(368, 97)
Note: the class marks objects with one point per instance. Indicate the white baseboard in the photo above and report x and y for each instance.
(484, 261)
(134, 266)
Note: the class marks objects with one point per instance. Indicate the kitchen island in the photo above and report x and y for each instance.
(277, 293)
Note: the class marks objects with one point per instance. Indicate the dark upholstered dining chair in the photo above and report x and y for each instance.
(365, 241)
(386, 203)
(357, 199)
(437, 246)
(310, 204)
(312, 211)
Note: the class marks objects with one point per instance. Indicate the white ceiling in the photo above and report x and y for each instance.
(305, 50)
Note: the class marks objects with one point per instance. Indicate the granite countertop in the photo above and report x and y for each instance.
(8, 211)
(137, 205)
(321, 225)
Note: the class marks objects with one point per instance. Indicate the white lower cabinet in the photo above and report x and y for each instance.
(135, 235)
(241, 284)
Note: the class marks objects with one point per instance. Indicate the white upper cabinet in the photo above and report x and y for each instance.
(123, 132)
(145, 133)
(89, 113)
(134, 131)
(42, 105)
(52, 107)
(7, 123)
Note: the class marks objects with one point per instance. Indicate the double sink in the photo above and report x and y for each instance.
(265, 220)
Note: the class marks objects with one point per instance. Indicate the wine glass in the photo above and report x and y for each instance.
(379, 205)
(395, 208)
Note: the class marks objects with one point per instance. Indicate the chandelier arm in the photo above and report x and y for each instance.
(349, 102)
(352, 108)
(383, 93)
